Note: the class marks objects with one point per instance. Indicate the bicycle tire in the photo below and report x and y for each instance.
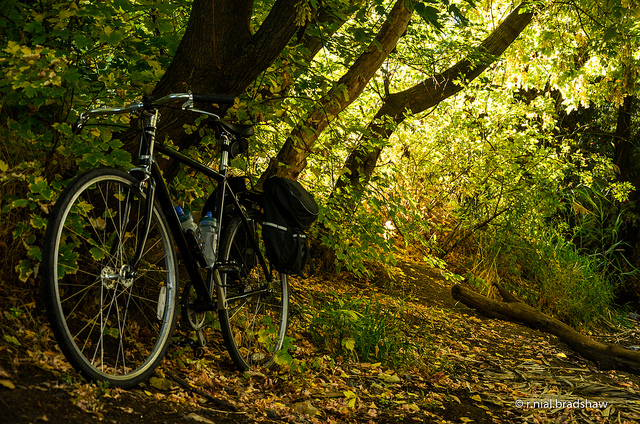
(253, 325)
(112, 324)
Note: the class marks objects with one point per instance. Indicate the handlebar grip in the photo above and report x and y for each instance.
(214, 98)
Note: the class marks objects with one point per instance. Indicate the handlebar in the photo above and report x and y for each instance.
(214, 98)
(148, 104)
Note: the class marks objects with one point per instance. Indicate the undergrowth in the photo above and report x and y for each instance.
(549, 273)
(362, 327)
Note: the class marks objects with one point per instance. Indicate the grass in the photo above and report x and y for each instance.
(548, 273)
(364, 328)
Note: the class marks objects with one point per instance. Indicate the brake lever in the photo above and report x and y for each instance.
(82, 120)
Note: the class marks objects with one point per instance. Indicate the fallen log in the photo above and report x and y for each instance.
(607, 356)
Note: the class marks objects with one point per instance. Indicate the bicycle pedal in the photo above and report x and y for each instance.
(228, 270)
(227, 267)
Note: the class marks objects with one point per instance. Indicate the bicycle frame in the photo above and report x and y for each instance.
(149, 172)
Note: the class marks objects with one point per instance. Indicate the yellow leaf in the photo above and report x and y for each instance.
(561, 355)
(12, 340)
(477, 398)
(413, 407)
(8, 384)
(389, 378)
(160, 383)
(349, 394)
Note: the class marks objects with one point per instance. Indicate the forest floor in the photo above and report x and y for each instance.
(475, 370)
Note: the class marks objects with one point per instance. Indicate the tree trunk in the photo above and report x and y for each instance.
(624, 145)
(607, 356)
(291, 158)
(219, 54)
(361, 163)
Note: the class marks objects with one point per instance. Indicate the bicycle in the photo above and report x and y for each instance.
(110, 269)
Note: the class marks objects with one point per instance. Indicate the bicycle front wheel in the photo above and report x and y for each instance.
(112, 318)
(254, 324)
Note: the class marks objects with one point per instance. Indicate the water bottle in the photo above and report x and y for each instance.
(186, 220)
(192, 234)
(208, 229)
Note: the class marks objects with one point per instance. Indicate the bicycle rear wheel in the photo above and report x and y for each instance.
(254, 324)
(113, 319)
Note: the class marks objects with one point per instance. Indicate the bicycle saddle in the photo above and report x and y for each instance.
(235, 129)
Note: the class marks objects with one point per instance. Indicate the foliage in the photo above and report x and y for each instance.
(547, 272)
(363, 329)
(58, 58)
(519, 170)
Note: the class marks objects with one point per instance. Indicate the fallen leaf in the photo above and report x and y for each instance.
(12, 340)
(199, 418)
(306, 408)
(389, 378)
(4, 373)
(160, 383)
(412, 407)
(8, 384)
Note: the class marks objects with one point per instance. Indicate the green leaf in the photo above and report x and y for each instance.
(97, 253)
(12, 340)
(24, 270)
(283, 358)
(610, 34)
(429, 13)
(41, 187)
(20, 203)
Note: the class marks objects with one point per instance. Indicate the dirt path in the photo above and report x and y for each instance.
(480, 371)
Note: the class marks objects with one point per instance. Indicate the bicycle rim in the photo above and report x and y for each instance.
(113, 322)
(254, 324)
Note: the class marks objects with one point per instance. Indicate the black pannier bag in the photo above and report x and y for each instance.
(289, 210)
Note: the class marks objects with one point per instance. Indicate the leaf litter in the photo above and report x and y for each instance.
(472, 369)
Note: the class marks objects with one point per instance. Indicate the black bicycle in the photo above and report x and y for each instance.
(110, 269)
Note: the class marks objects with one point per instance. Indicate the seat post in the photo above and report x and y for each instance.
(226, 146)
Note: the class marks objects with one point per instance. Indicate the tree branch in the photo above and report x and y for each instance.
(362, 161)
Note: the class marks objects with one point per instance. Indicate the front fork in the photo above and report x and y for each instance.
(147, 184)
(147, 217)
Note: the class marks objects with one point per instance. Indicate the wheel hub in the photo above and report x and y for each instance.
(110, 277)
